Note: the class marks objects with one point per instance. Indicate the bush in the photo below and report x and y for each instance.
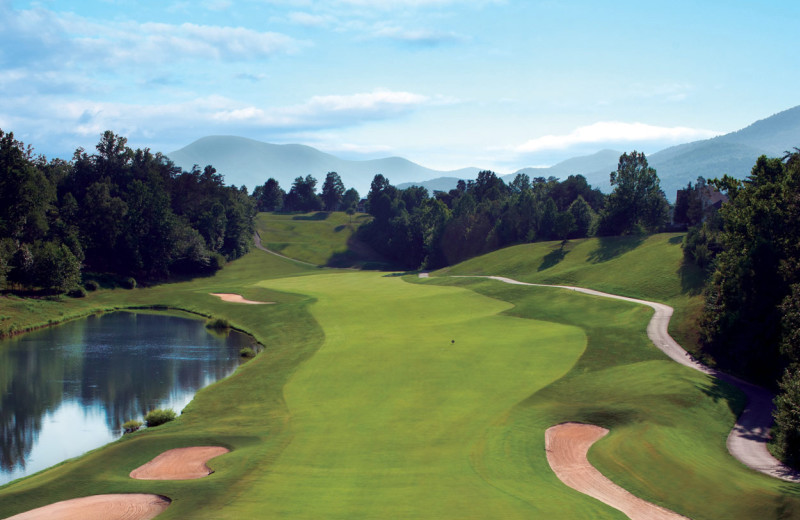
(77, 292)
(159, 416)
(247, 352)
(131, 426)
(129, 283)
(218, 324)
(91, 285)
(216, 261)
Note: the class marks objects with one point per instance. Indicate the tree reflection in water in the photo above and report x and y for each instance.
(122, 364)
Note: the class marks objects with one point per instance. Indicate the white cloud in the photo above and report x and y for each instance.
(330, 110)
(417, 36)
(613, 131)
(310, 20)
(40, 36)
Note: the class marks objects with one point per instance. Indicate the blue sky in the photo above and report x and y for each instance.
(445, 83)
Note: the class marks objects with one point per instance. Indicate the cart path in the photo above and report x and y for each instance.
(747, 441)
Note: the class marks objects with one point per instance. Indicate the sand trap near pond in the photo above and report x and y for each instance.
(237, 298)
(108, 507)
(567, 445)
(179, 464)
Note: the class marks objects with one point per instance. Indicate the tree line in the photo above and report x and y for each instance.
(751, 251)
(413, 229)
(303, 195)
(120, 211)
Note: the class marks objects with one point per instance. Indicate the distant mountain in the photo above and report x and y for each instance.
(248, 162)
(440, 183)
(733, 154)
(595, 168)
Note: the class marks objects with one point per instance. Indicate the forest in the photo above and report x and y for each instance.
(129, 213)
(414, 230)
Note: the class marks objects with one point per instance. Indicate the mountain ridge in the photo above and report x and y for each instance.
(245, 161)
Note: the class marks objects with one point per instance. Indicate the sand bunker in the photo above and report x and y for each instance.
(179, 464)
(237, 298)
(567, 445)
(108, 507)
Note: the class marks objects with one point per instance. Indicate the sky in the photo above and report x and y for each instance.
(496, 84)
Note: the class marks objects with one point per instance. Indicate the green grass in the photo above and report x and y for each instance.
(668, 423)
(379, 398)
(319, 238)
(650, 268)
(387, 415)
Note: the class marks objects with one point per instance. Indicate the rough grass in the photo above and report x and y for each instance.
(650, 268)
(319, 238)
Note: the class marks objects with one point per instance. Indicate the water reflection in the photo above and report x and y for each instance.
(67, 389)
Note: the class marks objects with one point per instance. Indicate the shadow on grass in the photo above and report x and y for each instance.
(676, 240)
(693, 278)
(553, 258)
(319, 215)
(717, 389)
(612, 247)
(607, 418)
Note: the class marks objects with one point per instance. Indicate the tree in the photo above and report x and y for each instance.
(637, 203)
(56, 268)
(583, 217)
(520, 184)
(303, 195)
(269, 196)
(332, 191)
(759, 261)
(350, 199)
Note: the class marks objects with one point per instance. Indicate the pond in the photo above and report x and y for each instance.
(66, 390)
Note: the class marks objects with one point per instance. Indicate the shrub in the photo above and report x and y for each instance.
(247, 352)
(216, 261)
(129, 283)
(91, 285)
(218, 324)
(77, 292)
(131, 426)
(159, 416)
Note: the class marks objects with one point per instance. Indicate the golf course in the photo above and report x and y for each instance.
(389, 395)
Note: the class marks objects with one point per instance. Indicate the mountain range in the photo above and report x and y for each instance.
(248, 162)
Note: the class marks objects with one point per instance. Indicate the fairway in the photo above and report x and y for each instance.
(389, 415)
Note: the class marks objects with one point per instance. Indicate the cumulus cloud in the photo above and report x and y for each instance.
(613, 131)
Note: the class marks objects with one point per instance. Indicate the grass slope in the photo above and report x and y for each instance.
(245, 412)
(363, 406)
(319, 238)
(649, 268)
(668, 423)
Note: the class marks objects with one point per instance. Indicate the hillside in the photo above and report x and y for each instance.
(320, 238)
(640, 267)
